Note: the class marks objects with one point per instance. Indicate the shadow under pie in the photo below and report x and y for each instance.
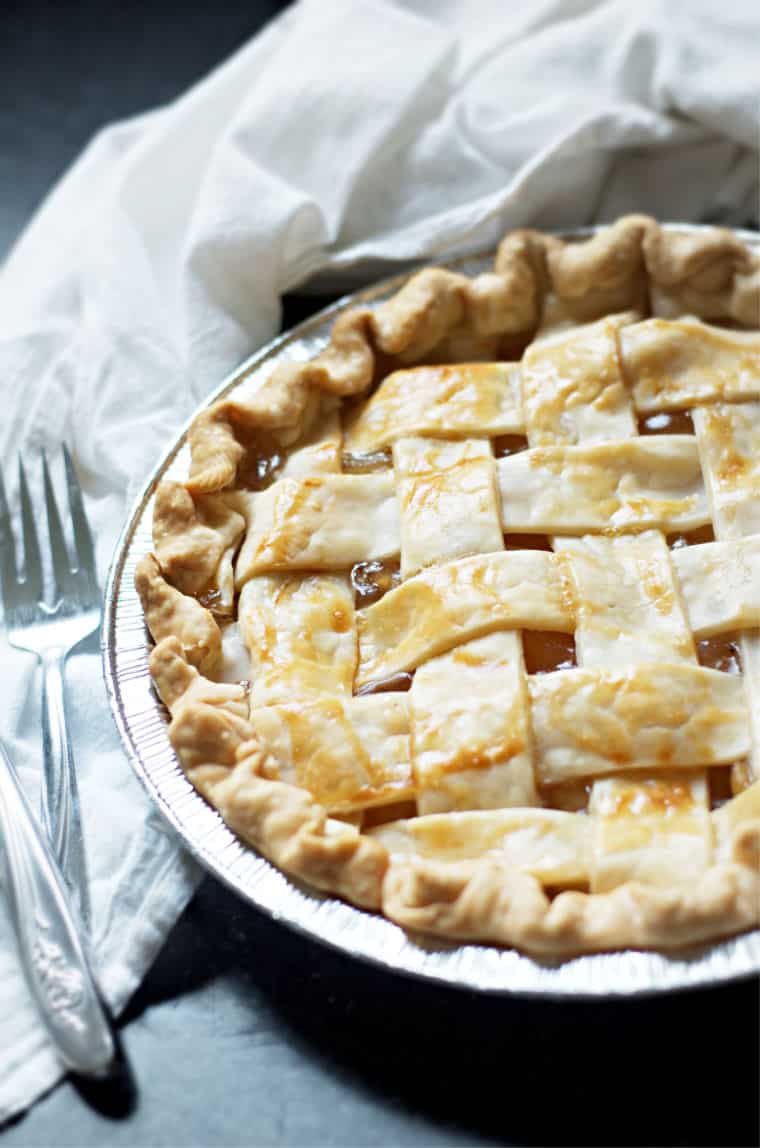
(455, 1062)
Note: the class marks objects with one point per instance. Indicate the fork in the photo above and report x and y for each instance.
(51, 632)
(54, 958)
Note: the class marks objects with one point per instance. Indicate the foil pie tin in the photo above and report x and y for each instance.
(142, 723)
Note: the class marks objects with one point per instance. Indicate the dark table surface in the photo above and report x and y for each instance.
(244, 1033)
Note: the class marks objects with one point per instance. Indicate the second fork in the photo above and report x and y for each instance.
(51, 631)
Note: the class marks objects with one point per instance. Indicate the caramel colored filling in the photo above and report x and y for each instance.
(380, 814)
(727, 781)
(667, 422)
(394, 683)
(719, 781)
(370, 580)
(569, 796)
(720, 653)
(546, 651)
(506, 444)
(513, 347)
(527, 542)
(257, 472)
(692, 537)
(212, 600)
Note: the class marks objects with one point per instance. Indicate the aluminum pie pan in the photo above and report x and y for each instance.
(142, 723)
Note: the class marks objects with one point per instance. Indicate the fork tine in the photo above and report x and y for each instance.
(82, 533)
(8, 568)
(32, 564)
(59, 552)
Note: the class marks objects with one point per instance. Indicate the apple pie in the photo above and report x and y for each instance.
(460, 620)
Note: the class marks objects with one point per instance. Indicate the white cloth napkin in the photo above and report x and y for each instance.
(350, 136)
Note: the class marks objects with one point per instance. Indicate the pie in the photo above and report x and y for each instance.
(460, 620)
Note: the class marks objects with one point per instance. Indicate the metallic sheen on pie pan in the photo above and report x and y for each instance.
(142, 723)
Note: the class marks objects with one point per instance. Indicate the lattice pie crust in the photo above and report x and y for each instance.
(460, 620)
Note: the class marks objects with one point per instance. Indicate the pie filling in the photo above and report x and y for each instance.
(510, 610)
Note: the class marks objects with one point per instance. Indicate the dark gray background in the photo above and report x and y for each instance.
(244, 1033)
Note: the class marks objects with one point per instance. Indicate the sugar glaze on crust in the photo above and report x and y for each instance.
(540, 291)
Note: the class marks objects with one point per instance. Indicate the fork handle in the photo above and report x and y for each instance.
(60, 795)
(53, 955)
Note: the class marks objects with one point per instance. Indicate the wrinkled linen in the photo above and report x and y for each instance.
(349, 138)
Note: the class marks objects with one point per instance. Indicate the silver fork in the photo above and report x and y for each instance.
(54, 957)
(51, 632)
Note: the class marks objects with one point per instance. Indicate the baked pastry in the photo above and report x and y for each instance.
(460, 620)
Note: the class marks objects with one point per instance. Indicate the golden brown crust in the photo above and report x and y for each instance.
(521, 265)
(438, 315)
(169, 613)
(289, 827)
(710, 274)
(427, 307)
(209, 719)
(347, 363)
(603, 275)
(171, 672)
(180, 684)
(193, 536)
(214, 450)
(216, 745)
(486, 901)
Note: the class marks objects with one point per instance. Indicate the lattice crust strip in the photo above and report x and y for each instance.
(649, 826)
(470, 727)
(460, 600)
(427, 793)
